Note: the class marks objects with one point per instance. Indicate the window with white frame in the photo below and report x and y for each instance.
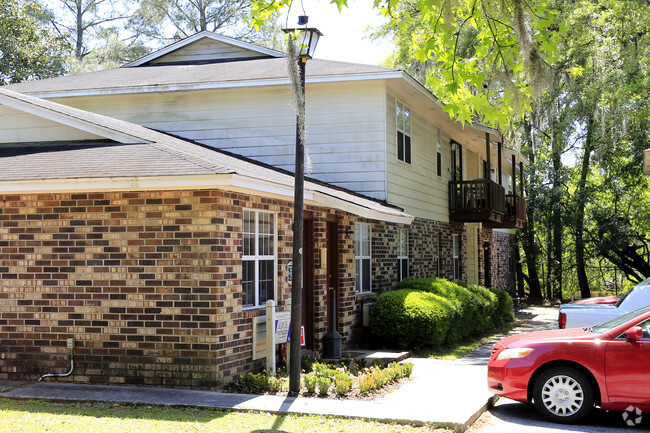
(258, 258)
(456, 255)
(362, 258)
(403, 253)
(439, 153)
(403, 132)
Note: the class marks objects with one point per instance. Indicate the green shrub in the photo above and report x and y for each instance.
(465, 304)
(310, 381)
(258, 382)
(408, 318)
(486, 304)
(429, 312)
(324, 383)
(504, 312)
(343, 384)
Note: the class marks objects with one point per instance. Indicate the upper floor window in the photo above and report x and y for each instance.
(403, 132)
(258, 258)
(439, 153)
(403, 253)
(362, 258)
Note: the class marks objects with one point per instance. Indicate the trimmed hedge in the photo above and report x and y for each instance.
(504, 308)
(428, 312)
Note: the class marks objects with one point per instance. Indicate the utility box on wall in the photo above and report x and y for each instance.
(366, 307)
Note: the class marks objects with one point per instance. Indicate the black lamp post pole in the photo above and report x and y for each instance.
(296, 284)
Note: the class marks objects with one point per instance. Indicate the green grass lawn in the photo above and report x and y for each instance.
(464, 347)
(37, 416)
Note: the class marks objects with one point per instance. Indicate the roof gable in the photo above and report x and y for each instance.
(19, 126)
(205, 47)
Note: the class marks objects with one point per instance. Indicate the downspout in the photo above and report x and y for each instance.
(70, 344)
(385, 122)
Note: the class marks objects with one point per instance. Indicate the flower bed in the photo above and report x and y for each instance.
(341, 380)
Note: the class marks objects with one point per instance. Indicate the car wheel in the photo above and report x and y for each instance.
(563, 394)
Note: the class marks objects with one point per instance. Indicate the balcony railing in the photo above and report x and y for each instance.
(515, 215)
(479, 200)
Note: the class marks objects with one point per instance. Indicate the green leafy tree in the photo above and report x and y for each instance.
(28, 50)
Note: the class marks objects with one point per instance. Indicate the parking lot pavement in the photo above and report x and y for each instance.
(508, 416)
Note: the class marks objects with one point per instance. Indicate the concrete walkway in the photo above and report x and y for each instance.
(445, 393)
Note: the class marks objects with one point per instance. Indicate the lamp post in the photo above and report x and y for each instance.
(306, 41)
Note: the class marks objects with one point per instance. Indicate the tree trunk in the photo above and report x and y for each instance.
(528, 238)
(79, 46)
(520, 273)
(556, 213)
(202, 16)
(581, 198)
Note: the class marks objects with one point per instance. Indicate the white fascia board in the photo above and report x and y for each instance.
(116, 184)
(269, 188)
(69, 120)
(362, 211)
(207, 86)
(198, 36)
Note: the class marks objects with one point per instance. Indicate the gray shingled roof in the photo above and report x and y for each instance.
(88, 159)
(144, 153)
(169, 75)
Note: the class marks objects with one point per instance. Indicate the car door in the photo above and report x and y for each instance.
(627, 368)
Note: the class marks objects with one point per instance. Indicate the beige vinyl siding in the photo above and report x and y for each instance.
(415, 186)
(345, 125)
(207, 49)
(18, 126)
(472, 256)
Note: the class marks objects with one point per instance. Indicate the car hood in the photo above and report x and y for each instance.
(520, 340)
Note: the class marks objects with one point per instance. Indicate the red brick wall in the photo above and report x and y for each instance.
(147, 282)
(502, 273)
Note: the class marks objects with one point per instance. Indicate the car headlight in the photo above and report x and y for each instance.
(518, 352)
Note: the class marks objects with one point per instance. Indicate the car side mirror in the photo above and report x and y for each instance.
(634, 333)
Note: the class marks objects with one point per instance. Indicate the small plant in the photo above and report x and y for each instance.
(343, 384)
(309, 380)
(260, 382)
(324, 383)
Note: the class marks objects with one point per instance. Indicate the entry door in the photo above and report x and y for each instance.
(627, 369)
(332, 274)
(487, 264)
(308, 281)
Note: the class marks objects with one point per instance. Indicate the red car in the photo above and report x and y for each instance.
(566, 372)
(598, 300)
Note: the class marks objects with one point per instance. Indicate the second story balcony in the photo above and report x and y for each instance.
(478, 200)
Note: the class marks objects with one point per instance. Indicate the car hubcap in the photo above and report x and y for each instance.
(562, 395)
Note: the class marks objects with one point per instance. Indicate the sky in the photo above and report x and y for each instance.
(344, 36)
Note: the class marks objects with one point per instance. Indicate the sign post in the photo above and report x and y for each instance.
(278, 324)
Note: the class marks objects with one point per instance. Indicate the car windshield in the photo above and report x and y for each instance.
(619, 320)
(626, 294)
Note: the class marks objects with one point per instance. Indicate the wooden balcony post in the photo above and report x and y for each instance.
(514, 175)
(499, 144)
(487, 155)
(521, 178)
